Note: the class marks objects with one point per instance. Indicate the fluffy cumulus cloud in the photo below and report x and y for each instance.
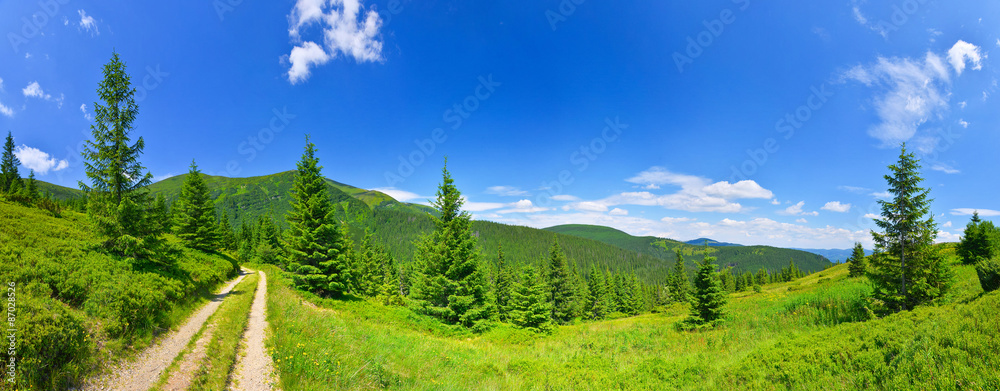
(348, 29)
(963, 52)
(836, 206)
(796, 210)
(912, 91)
(34, 90)
(88, 23)
(618, 212)
(507, 191)
(522, 206)
(691, 193)
(41, 162)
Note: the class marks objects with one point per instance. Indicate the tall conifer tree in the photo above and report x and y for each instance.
(8, 165)
(679, 283)
(449, 281)
(504, 284)
(856, 266)
(117, 199)
(709, 296)
(560, 284)
(906, 269)
(317, 251)
(529, 305)
(194, 213)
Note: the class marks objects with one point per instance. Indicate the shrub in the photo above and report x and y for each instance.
(989, 273)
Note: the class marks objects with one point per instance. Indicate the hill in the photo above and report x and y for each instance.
(711, 242)
(76, 305)
(835, 255)
(740, 258)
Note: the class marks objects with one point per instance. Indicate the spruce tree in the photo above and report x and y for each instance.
(679, 283)
(709, 296)
(980, 241)
(906, 270)
(159, 215)
(504, 284)
(317, 251)
(8, 166)
(449, 282)
(194, 213)
(117, 198)
(597, 305)
(227, 238)
(390, 292)
(529, 305)
(560, 285)
(31, 188)
(371, 260)
(856, 264)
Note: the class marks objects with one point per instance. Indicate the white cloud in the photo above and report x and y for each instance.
(522, 206)
(1, 84)
(911, 92)
(88, 23)
(507, 191)
(963, 104)
(796, 210)
(943, 237)
(969, 211)
(34, 90)
(565, 197)
(998, 42)
(836, 206)
(589, 206)
(347, 27)
(873, 216)
(859, 17)
(86, 115)
(7, 111)
(618, 212)
(963, 123)
(674, 220)
(775, 202)
(35, 159)
(946, 224)
(884, 194)
(400, 195)
(962, 51)
(696, 194)
(480, 206)
(854, 189)
(945, 168)
(801, 221)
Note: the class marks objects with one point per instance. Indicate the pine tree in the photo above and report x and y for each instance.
(980, 241)
(369, 273)
(856, 264)
(194, 213)
(635, 302)
(117, 199)
(31, 188)
(390, 292)
(504, 284)
(679, 283)
(597, 307)
(560, 285)
(906, 269)
(529, 305)
(709, 296)
(159, 215)
(8, 166)
(317, 251)
(449, 282)
(227, 238)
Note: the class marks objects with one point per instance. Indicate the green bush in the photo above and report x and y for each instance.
(989, 274)
(52, 344)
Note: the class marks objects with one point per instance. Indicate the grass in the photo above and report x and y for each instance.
(229, 322)
(78, 308)
(811, 333)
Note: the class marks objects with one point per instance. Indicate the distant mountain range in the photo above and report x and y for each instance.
(711, 243)
(834, 255)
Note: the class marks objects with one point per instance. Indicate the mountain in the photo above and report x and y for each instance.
(835, 255)
(58, 192)
(711, 243)
(740, 258)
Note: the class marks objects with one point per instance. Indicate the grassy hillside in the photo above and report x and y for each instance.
(740, 258)
(77, 306)
(808, 334)
(58, 192)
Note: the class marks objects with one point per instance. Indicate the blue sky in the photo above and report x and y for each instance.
(741, 121)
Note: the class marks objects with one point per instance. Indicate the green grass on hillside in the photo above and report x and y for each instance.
(809, 334)
(77, 307)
